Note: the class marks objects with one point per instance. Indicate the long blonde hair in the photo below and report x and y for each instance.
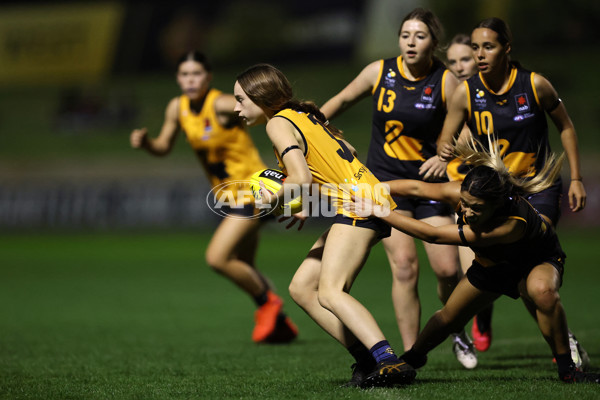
(497, 182)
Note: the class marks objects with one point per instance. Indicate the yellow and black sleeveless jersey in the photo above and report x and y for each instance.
(333, 166)
(226, 153)
(457, 170)
(516, 119)
(407, 119)
(538, 244)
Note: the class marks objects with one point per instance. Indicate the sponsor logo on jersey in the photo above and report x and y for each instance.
(521, 117)
(207, 129)
(422, 106)
(427, 94)
(360, 172)
(480, 100)
(522, 103)
(390, 79)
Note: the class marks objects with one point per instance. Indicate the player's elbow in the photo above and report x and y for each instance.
(303, 178)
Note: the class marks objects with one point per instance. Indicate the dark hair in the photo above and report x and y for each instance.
(428, 18)
(269, 89)
(487, 183)
(197, 56)
(502, 30)
(460, 38)
(500, 27)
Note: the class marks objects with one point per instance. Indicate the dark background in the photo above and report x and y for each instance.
(65, 161)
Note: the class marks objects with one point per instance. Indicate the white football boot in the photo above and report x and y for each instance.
(464, 350)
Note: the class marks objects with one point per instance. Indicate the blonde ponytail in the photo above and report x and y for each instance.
(475, 154)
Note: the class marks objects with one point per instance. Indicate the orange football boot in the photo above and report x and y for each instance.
(481, 340)
(265, 317)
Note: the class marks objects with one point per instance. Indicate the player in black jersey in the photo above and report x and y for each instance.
(460, 61)
(408, 96)
(510, 103)
(517, 251)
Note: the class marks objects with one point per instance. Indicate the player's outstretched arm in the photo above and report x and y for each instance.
(163, 143)
(359, 88)
(448, 192)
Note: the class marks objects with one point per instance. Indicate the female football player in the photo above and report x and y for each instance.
(509, 102)
(517, 251)
(459, 57)
(409, 95)
(460, 61)
(227, 153)
(311, 152)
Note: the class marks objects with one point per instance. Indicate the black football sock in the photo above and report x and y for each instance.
(261, 298)
(484, 319)
(414, 358)
(362, 355)
(565, 363)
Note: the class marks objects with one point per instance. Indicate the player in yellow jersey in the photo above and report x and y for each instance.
(312, 152)
(409, 96)
(228, 155)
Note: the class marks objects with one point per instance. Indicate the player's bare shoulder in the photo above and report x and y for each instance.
(172, 111)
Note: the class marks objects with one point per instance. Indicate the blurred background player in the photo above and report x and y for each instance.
(459, 57)
(226, 153)
(510, 102)
(310, 151)
(409, 94)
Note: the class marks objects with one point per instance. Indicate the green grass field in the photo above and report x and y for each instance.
(140, 316)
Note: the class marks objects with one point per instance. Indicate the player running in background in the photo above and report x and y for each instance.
(409, 94)
(517, 251)
(226, 153)
(310, 152)
(510, 102)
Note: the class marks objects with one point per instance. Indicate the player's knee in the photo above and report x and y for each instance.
(544, 296)
(298, 292)
(447, 270)
(405, 268)
(216, 261)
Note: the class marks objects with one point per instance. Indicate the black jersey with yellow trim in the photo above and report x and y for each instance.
(514, 117)
(407, 119)
(538, 244)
